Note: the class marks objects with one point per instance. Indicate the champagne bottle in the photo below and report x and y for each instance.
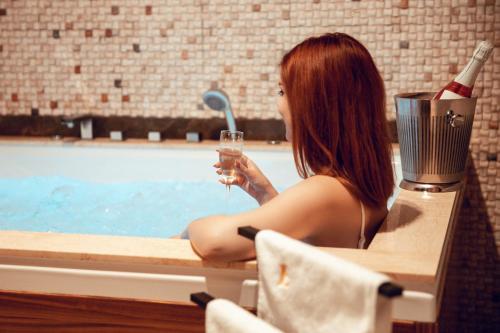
(462, 85)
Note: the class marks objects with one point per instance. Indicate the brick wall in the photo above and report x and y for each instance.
(155, 58)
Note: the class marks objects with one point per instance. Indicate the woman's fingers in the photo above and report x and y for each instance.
(241, 166)
(244, 160)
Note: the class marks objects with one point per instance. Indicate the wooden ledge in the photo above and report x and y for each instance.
(408, 247)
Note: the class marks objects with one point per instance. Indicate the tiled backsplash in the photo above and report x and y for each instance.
(155, 58)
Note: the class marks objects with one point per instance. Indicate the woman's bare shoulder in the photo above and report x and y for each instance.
(326, 187)
(336, 210)
(315, 187)
(314, 196)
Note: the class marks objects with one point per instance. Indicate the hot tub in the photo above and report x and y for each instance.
(161, 269)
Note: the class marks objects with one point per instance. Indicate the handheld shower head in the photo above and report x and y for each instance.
(216, 100)
(219, 101)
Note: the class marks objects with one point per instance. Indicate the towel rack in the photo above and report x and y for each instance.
(387, 289)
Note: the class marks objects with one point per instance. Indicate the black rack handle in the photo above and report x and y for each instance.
(389, 290)
(201, 298)
(248, 232)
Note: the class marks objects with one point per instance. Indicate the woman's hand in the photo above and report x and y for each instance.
(251, 180)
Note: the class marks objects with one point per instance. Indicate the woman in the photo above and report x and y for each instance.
(333, 104)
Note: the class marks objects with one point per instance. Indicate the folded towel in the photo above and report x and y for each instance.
(303, 289)
(225, 316)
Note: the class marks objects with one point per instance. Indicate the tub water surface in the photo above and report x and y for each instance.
(132, 191)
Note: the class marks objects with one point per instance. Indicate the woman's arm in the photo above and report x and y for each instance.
(297, 212)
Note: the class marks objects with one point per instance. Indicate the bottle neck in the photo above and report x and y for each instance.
(468, 75)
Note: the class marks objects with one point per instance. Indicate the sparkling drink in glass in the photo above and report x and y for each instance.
(230, 150)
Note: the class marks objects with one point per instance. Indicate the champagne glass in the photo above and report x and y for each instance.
(230, 150)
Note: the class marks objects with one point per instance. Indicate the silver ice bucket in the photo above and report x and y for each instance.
(433, 138)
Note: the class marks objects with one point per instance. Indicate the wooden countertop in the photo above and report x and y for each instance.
(411, 246)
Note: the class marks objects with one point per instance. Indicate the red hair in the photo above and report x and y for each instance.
(336, 99)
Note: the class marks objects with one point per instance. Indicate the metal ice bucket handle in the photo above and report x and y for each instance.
(454, 119)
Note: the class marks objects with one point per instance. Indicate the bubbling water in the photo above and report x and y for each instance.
(145, 209)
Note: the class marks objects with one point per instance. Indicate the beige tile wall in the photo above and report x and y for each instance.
(156, 57)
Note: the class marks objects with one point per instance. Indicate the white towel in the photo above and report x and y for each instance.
(224, 316)
(303, 289)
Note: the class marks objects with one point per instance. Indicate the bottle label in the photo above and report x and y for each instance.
(457, 88)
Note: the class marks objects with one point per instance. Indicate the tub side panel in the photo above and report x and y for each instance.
(29, 312)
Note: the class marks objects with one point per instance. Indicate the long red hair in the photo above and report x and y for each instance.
(336, 99)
